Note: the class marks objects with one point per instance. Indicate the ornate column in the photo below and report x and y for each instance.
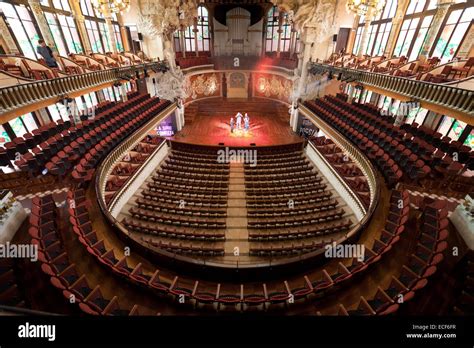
(42, 24)
(396, 26)
(81, 27)
(308, 38)
(126, 44)
(109, 27)
(10, 45)
(441, 11)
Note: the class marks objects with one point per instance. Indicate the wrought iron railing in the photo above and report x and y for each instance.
(18, 96)
(461, 100)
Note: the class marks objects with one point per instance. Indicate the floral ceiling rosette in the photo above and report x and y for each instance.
(164, 17)
(316, 14)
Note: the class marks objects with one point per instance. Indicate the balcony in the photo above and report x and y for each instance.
(439, 97)
(28, 96)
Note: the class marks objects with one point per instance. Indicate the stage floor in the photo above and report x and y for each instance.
(207, 123)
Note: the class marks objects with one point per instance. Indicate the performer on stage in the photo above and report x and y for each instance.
(238, 121)
(246, 122)
(232, 124)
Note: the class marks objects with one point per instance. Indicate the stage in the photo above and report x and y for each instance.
(208, 123)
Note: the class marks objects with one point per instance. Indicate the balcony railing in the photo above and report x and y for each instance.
(461, 100)
(19, 96)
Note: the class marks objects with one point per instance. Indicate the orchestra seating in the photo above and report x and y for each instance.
(183, 208)
(289, 209)
(420, 266)
(53, 256)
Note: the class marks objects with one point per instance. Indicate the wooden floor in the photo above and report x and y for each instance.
(207, 123)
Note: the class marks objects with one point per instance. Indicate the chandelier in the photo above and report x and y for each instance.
(362, 7)
(114, 6)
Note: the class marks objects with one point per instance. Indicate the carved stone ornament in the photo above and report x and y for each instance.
(164, 17)
(317, 14)
(171, 85)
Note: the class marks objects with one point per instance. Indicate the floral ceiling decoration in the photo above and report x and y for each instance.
(164, 17)
(317, 14)
(171, 85)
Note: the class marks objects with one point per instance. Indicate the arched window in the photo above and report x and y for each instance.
(455, 27)
(271, 44)
(23, 27)
(415, 26)
(203, 37)
(379, 31)
(97, 31)
(203, 34)
(273, 38)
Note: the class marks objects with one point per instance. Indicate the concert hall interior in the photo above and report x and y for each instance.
(229, 157)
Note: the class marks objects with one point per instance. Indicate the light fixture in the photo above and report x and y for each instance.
(114, 6)
(362, 7)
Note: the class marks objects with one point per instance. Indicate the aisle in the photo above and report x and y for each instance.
(236, 232)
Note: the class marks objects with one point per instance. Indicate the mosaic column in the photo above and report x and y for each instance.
(81, 27)
(42, 24)
(10, 46)
(396, 26)
(126, 44)
(442, 9)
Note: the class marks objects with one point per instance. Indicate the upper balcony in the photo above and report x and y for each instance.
(446, 88)
(26, 85)
(428, 70)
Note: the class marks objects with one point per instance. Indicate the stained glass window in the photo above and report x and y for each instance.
(22, 27)
(453, 33)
